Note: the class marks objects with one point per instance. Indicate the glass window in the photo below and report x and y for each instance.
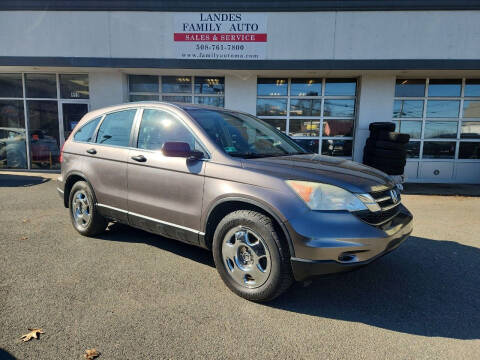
(472, 87)
(11, 85)
(470, 130)
(443, 108)
(412, 128)
(439, 150)
(304, 107)
(279, 124)
(86, 132)
(440, 129)
(116, 127)
(12, 114)
(469, 150)
(209, 85)
(177, 98)
(306, 87)
(158, 127)
(74, 86)
(335, 127)
(176, 84)
(444, 87)
(413, 149)
(44, 134)
(408, 109)
(143, 83)
(272, 87)
(471, 109)
(72, 114)
(337, 147)
(410, 88)
(144, 97)
(304, 127)
(271, 107)
(310, 145)
(340, 108)
(340, 87)
(41, 85)
(209, 100)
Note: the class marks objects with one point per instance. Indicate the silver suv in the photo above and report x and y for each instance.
(270, 212)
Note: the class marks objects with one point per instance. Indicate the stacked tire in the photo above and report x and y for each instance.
(386, 149)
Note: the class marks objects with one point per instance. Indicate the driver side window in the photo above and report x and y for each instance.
(158, 127)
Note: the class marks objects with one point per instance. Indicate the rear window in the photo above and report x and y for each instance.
(85, 133)
(116, 127)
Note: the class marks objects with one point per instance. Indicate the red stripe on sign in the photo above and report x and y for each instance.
(217, 37)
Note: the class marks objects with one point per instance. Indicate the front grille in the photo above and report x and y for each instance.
(389, 208)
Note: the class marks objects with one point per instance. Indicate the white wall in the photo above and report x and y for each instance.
(107, 88)
(241, 92)
(296, 35)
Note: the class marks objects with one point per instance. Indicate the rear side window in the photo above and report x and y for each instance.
(158, 127)
(115, 128)
(85, 133)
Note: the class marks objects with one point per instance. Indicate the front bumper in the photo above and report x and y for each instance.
(341, 242)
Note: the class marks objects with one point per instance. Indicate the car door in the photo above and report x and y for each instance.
(106, 166)
(164, 193)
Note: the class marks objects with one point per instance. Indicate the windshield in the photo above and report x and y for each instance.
(244, 136)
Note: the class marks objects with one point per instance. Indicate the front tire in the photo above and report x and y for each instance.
(251, 257)
(83, 210)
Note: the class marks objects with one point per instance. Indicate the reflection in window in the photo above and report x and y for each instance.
(143, 83)
(304, 127)
(279, 124)
(176, 84)
(177, 98)
(471, 109)
(306, 87)
(13, 153)
(472, 87)
(343, 127)
(116, 127)
(439, 150)
(308, 145)
(412, 128)
(413, 149)
(340, 87)
(12, 114)
(304, 107)
(271, 107)
(143, 97)
(209, 85)
(470, 130)
(43, 133)
(272, 87)
(339, 108)
(440, 129)
(443, 108)
(444, 87)
(74, 86)
(410, 88)
(41, 85)
(209, 100)
(11, 85)
(337, 147)
(85, 133)
(408, 109)
(469, 150)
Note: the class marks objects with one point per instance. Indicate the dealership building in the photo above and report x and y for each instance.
(321, 71)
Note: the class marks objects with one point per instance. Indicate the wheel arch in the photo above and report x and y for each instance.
(224, 206)
(71, 179)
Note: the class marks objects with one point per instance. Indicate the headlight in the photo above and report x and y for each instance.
(326, 197)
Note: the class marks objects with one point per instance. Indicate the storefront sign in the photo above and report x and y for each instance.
(220, 36)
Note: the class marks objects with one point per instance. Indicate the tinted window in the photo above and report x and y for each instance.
(209, 85)
(11, 85)
(340, 87)
(306, 87)
(41, 85)
(85, 133)
(472, 87)
(410, 88)
(143, 83)
(444, 87)
(74, 86)
(176, 84)
(271, 87)
(116, 127)
(158, 127)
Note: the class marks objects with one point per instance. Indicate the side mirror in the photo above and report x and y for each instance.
(180, 149)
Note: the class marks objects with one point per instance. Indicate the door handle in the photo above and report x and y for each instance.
(92, 151)
(139, 158)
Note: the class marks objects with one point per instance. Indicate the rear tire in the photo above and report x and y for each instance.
(251, 257)
(83, 210)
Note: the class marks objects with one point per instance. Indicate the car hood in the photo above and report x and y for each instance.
(349, 175)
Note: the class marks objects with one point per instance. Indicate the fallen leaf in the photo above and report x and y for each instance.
(34, 333)
(24, 238)
(25, 220)
(91, 354)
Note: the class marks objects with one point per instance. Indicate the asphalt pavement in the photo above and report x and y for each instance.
(134, 295)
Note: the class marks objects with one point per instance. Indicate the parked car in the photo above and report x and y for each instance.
(270, 212)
